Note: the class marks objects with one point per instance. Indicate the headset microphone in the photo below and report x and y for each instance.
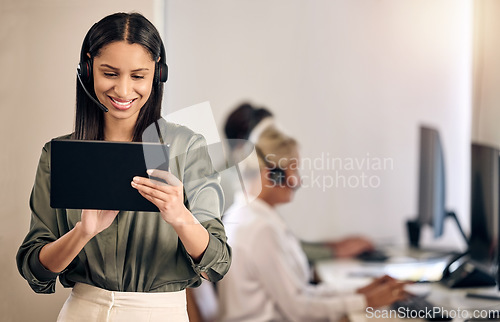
(101, 106)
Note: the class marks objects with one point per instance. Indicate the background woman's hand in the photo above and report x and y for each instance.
(383, 291)
(95, 221)
(168, 197)
(351, 247)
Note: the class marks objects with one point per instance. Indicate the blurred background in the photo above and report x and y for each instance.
(351, 80)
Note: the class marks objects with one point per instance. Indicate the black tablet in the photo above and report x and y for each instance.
(97, 174)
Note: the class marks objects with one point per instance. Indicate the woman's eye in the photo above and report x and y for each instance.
(137, 77)
(109, 74)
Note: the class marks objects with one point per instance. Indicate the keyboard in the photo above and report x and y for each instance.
(373, 256)
(418, 307)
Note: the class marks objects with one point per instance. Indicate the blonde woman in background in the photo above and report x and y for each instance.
(269, 278)
(247, 122)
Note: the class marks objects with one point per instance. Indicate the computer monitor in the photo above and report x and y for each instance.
(431, 184)
(485, 210)
(431, 188)
(478, 266)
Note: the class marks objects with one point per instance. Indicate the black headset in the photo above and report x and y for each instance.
(276, 175)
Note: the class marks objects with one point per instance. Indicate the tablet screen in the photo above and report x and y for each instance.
(97, 174)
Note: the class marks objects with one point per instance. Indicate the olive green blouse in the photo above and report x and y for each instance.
(139, 252)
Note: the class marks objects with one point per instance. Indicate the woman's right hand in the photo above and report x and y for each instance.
(383, 291)
(95, 221)
(57, 255)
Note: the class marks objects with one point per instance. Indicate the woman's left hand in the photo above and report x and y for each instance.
(168, 197)
(351, 246)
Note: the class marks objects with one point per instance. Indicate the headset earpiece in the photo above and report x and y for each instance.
(277, 176)
(83, 73)
(84, 69)
(161, 73)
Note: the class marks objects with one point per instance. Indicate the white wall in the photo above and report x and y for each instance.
(485, 129)
(40, 49)
(348, 79)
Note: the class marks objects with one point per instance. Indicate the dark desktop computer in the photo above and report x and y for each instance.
(484, 203)
(482, 257)
(479, 265)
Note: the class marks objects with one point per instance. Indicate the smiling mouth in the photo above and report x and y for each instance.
(121, 104)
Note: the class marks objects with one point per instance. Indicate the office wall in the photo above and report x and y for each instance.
(486, 96)
(40, 49)
(352, 81)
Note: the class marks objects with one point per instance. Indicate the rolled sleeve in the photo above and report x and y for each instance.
(39, 278)
(38, 270)
(206, 201)
(215, 260)
(43, 230)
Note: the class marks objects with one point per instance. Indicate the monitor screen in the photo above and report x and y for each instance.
(431, 192)
(484, 206)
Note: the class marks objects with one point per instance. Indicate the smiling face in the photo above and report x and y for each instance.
(123, 79)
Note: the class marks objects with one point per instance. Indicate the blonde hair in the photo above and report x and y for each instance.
(276, 147)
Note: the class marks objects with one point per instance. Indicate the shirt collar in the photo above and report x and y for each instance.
(262, 208)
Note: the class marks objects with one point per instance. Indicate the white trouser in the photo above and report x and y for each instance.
(88, 303)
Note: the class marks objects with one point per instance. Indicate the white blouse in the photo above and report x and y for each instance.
(269, 275)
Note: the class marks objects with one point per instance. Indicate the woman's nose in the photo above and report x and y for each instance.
(123, 87)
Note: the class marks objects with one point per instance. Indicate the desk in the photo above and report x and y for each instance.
(352, 274)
